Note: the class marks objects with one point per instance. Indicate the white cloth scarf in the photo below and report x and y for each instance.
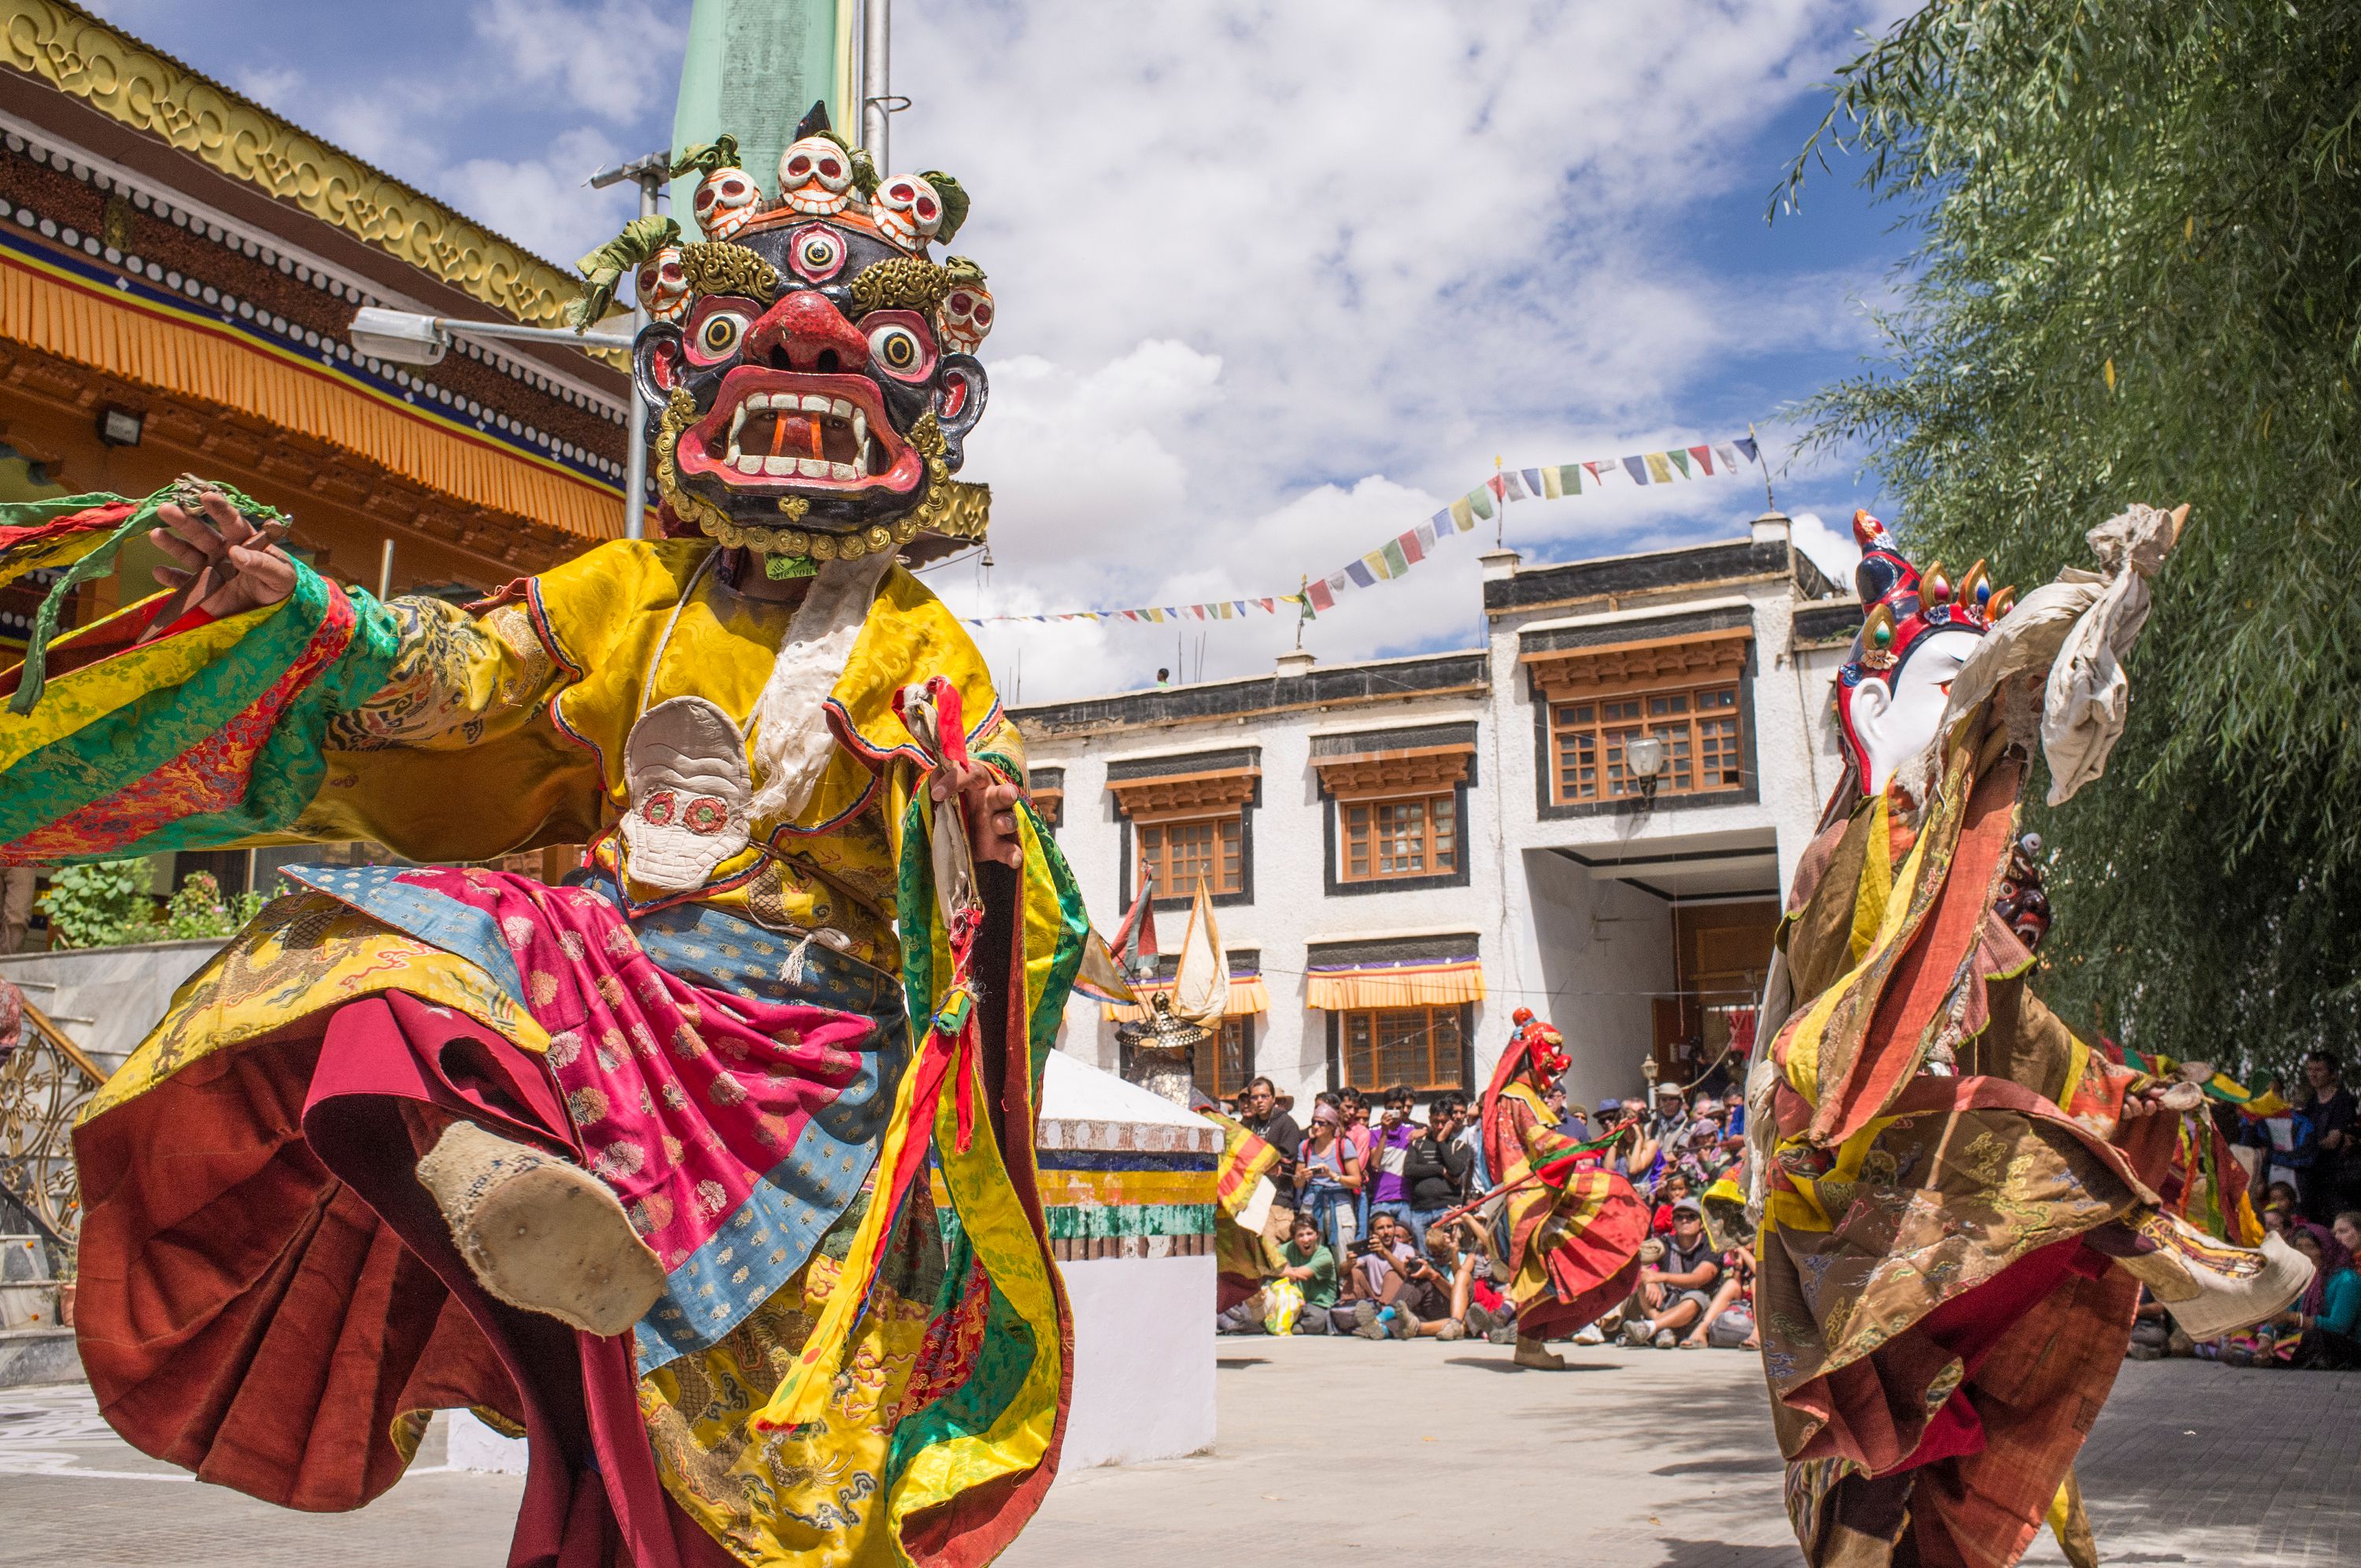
(792, 742)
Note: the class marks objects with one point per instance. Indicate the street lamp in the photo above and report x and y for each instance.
(1643, 758)
(406, 337)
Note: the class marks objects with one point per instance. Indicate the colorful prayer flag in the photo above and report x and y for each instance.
(1679, 459)
(1658, 469)
(1361, 574)
(1532, 482)
(1499, 485)
(1408, 544)
(1745, 443)
(1637, 468)
(1321, 594)
(1378, 563)
(1552, 483)
(1463, 516)
(1480, 499)
(1512, 489)
(1426, 535)
(1728, 454)
(1704, 455)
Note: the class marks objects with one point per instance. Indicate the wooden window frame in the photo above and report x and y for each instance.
(1230, 857)
(1432, 864)
(1234, 1041)
(1685, 733)
(1453, 1072)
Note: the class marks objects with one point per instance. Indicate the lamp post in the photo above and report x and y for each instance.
(650, 171)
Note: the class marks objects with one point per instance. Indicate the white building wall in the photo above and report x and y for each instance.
(1584, 950)
(1291, 908)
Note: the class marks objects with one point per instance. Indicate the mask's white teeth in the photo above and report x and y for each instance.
(843, 472)
(778, 465)
(749, 465)
(840, 409)
(860, 435)
(814, 403)
(860, 452)
(812, 467)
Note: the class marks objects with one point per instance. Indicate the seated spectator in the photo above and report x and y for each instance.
(1313, 1267)
(1328, 1180)
(1440, 1286)
(1674, 1187)
(2328, 1316)
(1728, 1320)
(1435, 1166)
(1674, 1293)
(1377, 1276)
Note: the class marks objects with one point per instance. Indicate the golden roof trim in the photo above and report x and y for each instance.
(150, 91)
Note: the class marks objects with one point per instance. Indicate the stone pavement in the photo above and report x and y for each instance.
(1347, 1451)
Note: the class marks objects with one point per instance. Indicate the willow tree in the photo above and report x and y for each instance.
(2138, 228)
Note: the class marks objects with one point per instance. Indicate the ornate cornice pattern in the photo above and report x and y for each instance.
(154, 93)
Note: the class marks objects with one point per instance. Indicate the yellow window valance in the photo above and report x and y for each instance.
(195, 355)
(1247, 994)
(1395, 985)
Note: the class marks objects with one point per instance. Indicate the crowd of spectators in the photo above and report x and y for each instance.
(1386, 1237)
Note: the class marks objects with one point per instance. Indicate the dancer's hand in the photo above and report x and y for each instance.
(990, 808)
(228, 565)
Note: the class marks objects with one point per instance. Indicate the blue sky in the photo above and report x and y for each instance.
(1274, 280)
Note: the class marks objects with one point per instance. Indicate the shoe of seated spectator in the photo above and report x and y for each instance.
(1452, 1329)
(1480, 1322)
(1638, 1331)
(1590, 1333)
(1365, 1313)
(1370, 1330)
(1504, 1332)
(1666, 1339)
(1404, 1322)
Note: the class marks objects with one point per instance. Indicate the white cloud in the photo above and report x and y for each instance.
(1833, 553)
(1408, 239)
(615, 59)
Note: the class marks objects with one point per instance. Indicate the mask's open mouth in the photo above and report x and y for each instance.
(786, 433)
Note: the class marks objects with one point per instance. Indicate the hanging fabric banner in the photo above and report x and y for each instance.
(1398, 555)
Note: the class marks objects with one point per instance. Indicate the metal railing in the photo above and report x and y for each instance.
(43, 1087)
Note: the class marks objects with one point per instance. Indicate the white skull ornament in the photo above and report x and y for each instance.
(726, 199)
(964, 317)
(816, 177)
(664, 287)
(908, 211)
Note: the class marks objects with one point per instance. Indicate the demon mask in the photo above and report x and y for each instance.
(1891, 691)
(813, 398)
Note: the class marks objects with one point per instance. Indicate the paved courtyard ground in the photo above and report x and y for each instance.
(1351, 1452)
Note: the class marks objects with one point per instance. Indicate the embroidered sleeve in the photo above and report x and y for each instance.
(196, 739)
(455, 674)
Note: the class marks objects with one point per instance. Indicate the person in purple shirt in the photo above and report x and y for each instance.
(1390, 1152)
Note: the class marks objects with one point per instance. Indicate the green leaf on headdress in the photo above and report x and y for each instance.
(704, 157)
(954, 198)
(865, 173)
(958, 270)
(603, 269)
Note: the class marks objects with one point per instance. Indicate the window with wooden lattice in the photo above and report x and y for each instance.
(1700, 728)
(1417, 1046)
(1183, 852)
(1225, 1062)
(1390, 839)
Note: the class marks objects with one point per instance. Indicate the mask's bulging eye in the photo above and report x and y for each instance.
(896, 349)
(816, 254)
(720, 333)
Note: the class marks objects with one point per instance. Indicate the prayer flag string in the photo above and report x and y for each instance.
(1395, 557)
